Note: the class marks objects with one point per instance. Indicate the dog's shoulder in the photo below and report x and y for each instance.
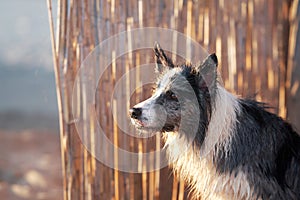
(270, 147)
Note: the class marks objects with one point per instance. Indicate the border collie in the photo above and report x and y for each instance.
(222, 146)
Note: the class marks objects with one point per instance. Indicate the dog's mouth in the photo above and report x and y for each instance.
(138, 123)
(141, 125)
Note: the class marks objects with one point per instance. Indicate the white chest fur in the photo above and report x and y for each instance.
(201, 176)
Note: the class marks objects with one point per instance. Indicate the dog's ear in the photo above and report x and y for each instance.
(207, 71)
(162, 61)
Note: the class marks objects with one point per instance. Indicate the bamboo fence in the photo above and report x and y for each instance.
(257, 42)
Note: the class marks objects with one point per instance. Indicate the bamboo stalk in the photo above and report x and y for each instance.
(292, 42)
(59, 98)
(175, 189)
(181, 191)
(116, 156)
(157, 167)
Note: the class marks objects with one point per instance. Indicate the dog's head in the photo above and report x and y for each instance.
(181, 90)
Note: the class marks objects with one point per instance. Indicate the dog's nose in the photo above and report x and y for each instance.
(135, 112)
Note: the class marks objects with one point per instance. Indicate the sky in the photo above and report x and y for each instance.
(27, 82)
(25, 40)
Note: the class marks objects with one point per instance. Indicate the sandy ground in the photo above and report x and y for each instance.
(30, 165)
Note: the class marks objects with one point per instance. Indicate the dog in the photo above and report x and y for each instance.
(221, 145)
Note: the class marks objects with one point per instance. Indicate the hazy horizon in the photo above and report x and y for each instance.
(27, 84)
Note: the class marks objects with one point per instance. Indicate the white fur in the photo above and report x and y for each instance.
(197, 168)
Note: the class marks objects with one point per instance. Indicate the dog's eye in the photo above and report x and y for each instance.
(171, 95)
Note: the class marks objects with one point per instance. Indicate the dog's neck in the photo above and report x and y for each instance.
(196, 165)
(222, 120)
(220, 128)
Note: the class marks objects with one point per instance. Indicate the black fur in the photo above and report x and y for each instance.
(204, 102)
(200, 89)
(266, 149)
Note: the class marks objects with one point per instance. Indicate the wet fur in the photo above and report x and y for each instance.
(241, 151)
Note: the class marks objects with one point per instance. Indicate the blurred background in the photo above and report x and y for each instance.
(30, 164)
(257, 42)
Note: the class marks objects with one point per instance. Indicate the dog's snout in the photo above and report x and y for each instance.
(135, 113)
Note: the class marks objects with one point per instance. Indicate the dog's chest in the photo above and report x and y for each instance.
(201, 176)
